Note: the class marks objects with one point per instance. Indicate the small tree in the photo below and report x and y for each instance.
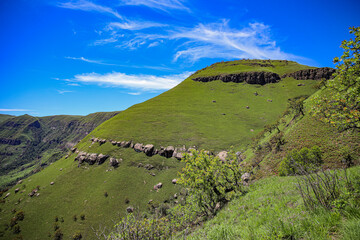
(340, 105)
(210, 180)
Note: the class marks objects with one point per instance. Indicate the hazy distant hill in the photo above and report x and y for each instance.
(28, 143)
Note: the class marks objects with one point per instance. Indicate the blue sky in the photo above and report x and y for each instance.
(83, 56)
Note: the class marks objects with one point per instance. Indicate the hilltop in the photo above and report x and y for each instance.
(212, 115)
(29, 143)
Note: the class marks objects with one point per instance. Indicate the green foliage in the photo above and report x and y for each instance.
(273, 209)
(132, 228)
(19, 216)
(16, 229)
(341, 105)
(58, 234)
(297, 161)
(77, 236)
(211, 180)
(296, 105)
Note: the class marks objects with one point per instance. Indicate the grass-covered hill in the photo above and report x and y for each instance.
(28, 143)
(212, 115)
(4, 117)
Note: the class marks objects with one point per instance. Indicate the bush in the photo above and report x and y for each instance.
(131, 227)
(19, 216)
(77, 236)
(58, 235)
(210, 180)
(106, 194)
(82, 217)
(75, 218)
(16, 229)
(298, 162)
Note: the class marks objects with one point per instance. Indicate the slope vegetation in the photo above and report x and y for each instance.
(210, 115)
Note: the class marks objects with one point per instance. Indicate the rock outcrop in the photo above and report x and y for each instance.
(261, 78)
(314, 74)
(91, 158)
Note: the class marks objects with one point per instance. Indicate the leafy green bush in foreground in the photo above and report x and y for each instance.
(298, 161)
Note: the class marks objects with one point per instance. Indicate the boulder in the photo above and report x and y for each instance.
(52, 183)
(178, 155)
(168, 152)
(139, 147)
(19, 182)
(130, 209)
(8, 194)
(149, 150)
(102, 141)
(114, 162)
(92, 158)
(247, 107)
(158, 186)
(174, 181)
(118, 144)
(101, 158)
(127, 144)
(17, 190)
(222, 156)
(245, 177)
(113, 143)
(73, 149)
(122, 144)
(149, 167)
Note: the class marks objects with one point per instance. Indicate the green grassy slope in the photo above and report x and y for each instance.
(40, 140)
(308, 131)
(273, 209)
(185, 114)
(4, 117)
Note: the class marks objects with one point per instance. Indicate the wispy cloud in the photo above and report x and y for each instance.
(163, 5)
(134, 93)
(134, 25)
(90, 7)
(14, 110)
(139, 82)
(216, 40)
(87, 60)
(63, 91)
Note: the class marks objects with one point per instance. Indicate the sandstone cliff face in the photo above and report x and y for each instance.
(314, 74)
(261, 78)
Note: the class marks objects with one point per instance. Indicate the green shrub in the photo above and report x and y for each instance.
(58, 235)
(75, 218)
(16, 229)
(211, 180)
(82, 216)
(19, 216)
(77, 236)
(297, 162)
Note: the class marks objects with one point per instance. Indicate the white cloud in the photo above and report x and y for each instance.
(73, 84)
(134, 25)
(139, 82)
(134, 93)
(63, 91)
(219, 40)
(90, 7)
(163, 5)
(14, 110)
(87, 60)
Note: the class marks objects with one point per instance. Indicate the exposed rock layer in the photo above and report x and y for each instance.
(314, 74)
(261, 78)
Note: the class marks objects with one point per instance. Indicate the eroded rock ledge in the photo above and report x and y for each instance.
(314, 74)
(261, 78)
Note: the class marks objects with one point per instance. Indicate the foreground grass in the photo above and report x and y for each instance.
(273, 209)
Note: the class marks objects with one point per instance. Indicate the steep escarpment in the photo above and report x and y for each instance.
(314, 74)
(261, 78)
